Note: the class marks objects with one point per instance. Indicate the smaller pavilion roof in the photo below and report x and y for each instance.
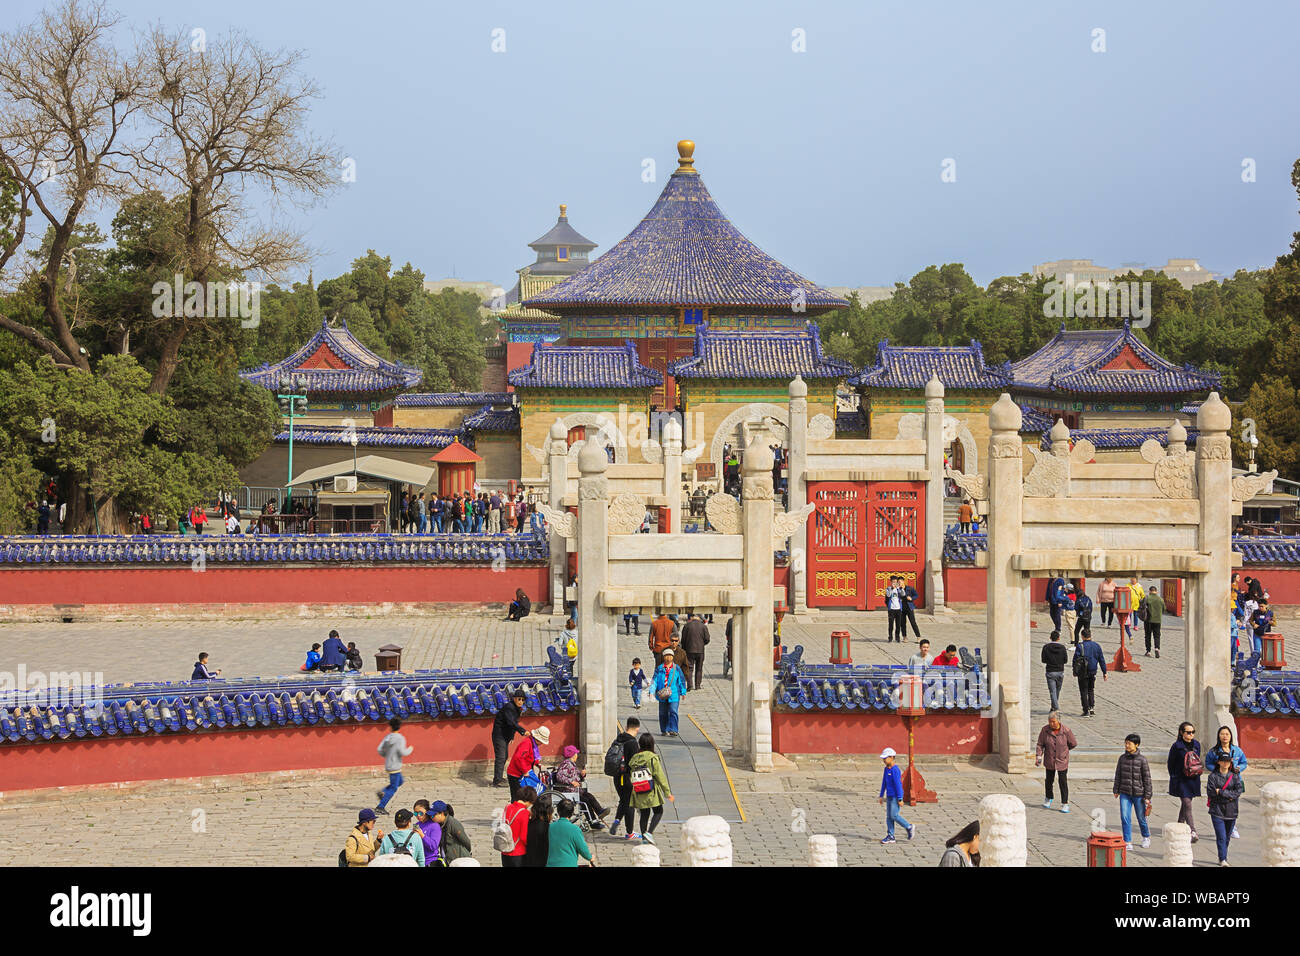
(585, 366)
(335, 361)
(781, 354)
(911, 366)
(1106, 361)
(456, 454)
(562, 234)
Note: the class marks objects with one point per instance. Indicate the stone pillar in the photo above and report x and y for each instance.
(934, 492)
(1002, 831)
(760, 740)
(465, 861)
(1279, 811)
(1208, 672)
(706, 841)
(752, 642)
(671, 437)
(1178, 844)
(558, 476)
(1008, 591)
(597, 629)
(797, 496)
(823, 850)
(647, 854)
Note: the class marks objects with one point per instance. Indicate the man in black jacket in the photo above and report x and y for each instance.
(1054, 658)
(695, 636)
(622, 782)
(504, 728)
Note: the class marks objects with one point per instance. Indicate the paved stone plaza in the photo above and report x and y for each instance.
(302, 819)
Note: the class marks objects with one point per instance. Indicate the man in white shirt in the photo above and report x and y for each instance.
(921, 659)
(894, 606)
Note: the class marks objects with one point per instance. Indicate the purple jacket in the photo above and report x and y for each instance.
(432, 835)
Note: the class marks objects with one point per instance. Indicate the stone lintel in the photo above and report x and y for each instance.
(676, 547)
(878, 474)
(1102, 561)
(1124, 512)
(677, 598)
(868, 446)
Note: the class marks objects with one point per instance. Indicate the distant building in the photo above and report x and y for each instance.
(1187, 272)
(866, 293)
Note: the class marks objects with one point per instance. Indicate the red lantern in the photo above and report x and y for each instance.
(1107, 848)
(911, 696)
(841, 648)
(1271, 651)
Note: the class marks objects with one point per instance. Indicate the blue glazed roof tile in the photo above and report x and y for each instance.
(685, 252)
(957, 366)
(772, 354)
(1120, 437)
(364, 372)
(585, 366)
(1073, 361)
(451, 399)
(1033, 420)
(375, 436)
(489, 419)
(851, 423)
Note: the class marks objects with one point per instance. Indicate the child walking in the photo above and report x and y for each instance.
(891, 795)
(637, 680)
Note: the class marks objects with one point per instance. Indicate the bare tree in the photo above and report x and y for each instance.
(66, 100)
(231, 137)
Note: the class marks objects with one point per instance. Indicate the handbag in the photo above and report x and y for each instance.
(642, 779)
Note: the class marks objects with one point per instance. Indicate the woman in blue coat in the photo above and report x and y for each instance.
(668, 676)
(1182, 786)
(1227, 746)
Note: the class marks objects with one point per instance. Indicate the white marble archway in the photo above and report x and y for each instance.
(755, 411)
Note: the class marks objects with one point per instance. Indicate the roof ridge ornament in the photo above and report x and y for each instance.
(564, 214)
(686, 156)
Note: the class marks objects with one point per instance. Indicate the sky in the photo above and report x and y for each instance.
(1060, 142)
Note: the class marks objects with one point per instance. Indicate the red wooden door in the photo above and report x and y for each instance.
(836, 544)
(895, 537)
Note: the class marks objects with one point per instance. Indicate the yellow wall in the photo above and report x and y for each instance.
(539, 408)
(406, 416)
(886, 408)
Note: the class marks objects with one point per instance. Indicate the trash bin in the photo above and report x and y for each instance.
(1272, 652)
(1107, 849)
(388, 658)
(841, 642)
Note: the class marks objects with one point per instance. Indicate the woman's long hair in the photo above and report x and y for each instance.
(646, 742)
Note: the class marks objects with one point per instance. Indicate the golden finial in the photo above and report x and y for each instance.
(686, 156)
(563, 210)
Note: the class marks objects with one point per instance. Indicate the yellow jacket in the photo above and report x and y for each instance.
(1138, 595)
(359, 848)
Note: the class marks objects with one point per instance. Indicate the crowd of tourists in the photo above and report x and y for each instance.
(468, 513)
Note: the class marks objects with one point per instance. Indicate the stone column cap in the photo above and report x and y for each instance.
(1005, 415)
(798, 387)
(591, 459)
(934, 387)
(558, 431)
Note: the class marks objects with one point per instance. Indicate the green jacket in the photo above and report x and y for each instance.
(659, 794)
(1155, 607)
(566, 844)
(455, 842)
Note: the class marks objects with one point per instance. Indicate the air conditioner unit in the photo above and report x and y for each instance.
(345, 484)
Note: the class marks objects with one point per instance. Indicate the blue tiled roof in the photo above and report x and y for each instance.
(181, 707)
(685, 252)
(365, 372)
(1033, 420)
(489, 419)
(773, 354)
(451, 399)
(853, 422)
(376, 435)
(958, 366)
(802, 686)
(961, 548)
(1257, 690)
(1072, 362)
(585, 366)
(250, 548)
(1120, 437)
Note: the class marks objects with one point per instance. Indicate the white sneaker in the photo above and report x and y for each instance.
(1065, 808)
(1128, 846)
(1047, 804)
(1235, 834)
(1146, 843)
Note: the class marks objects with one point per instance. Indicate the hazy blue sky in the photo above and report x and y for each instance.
(829, 159)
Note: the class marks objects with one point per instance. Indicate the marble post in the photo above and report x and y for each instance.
(1002, 831)
(597, 666)
(1279, 811)
(671, 437)
(752, 643)
(797, 496)
(822, 850)
(558, 476)
(706, 841)
(1008, 591)
(1208, 673)
(647, 854)
(934, 493)
(1178, 844)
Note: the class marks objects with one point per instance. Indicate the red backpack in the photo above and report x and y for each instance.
(1192, 766)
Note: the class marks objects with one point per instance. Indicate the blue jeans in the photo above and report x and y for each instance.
(1054, 611)
(636, 694)
(1127, 805)
(668, 716)
(394, 781)
(894, 814)
(1222, 835)
(1259, 645)
(422, 524)
(478, 523)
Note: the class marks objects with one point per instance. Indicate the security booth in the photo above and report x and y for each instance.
(360, 497)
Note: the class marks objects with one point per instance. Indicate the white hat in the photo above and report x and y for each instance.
(542, 735)
(668, 652)
(888, 752)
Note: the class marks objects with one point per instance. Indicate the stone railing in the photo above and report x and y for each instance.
(527, 548)
(62, 713)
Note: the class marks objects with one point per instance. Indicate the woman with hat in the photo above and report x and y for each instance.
(649, 786)
(527, 756)
(1224, 788)
(430, 831)
(670, 688)
(568, 781)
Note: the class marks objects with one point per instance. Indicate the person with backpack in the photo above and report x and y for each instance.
(359, 848)
(1185, 768)
(1224, 789)
(1152, 613)
(1088, 657)
(617, 758)
(1225, 745)
(405, 840)
(1083, 613)
(539, 832)
(455, 843)
(430, 832)
(1133, 788)
(510, 830)
(392, 748)
(649, 786)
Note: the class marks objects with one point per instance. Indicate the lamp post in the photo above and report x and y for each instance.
(291, 386)
(911, 707)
